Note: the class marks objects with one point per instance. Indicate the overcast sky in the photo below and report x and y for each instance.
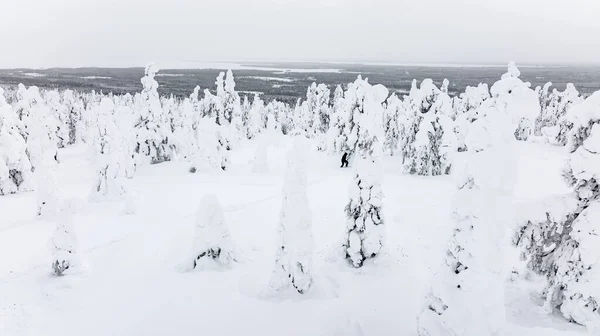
(48, 33)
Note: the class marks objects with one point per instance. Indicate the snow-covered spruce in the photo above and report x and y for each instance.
(467, 296)
(64, 242)
(520, 101)
(110, 160)
(206, 150)
(429, 138)
(339, 117)
(61, 115)
(573, 279)
(153, 132)
(293, 260)
(364, 216)
(212, 241)
(15, 168)
(553, 124)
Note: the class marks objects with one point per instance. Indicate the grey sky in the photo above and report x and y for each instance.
(47, 33)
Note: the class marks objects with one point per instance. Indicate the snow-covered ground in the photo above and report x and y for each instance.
(130, 281)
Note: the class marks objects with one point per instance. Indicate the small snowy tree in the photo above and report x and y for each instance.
(467, 292)
(64, 242)
(293, 260)
(364, 216)
(212, 241)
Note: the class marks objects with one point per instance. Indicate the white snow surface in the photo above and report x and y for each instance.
(129, 284)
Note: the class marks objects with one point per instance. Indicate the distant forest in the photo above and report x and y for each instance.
(289, 86)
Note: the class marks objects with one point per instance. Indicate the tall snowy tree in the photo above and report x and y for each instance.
(74, 107)
(15, 168)
(109, 146)
(573, 284)
(467, 292)
(255, 117)
(153, 131)
(364, 216)
(337, 122)
(60, 113)
(293, 260)
(212, 241)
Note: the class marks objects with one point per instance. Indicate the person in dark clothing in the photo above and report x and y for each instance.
(344, 160)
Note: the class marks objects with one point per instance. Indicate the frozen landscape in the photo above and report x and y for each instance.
(148, 215)
(299, 167)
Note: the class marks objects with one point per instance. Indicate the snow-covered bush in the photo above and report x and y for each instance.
(64, 242)
(364, 216)
(15, 168)
(467, 292)
(212, 240)
(293, 260)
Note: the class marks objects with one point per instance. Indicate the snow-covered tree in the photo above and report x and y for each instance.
(153, 131)
(411, 123)
(111, 161)
(364, 216)
(465, 111)
(64, 241)
(228, 97)
(206, 151)
(573, 284)
(354, 103)
(394, 129)
(520, 101)
(60, 113)
(255, 118)
(212, 241)
(467, 295)
(337, 122)
(567, 99)
(293, 260)
(74, 107)
(15, 168)
(429, 150)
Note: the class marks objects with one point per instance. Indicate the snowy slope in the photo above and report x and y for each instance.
(130, 283)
